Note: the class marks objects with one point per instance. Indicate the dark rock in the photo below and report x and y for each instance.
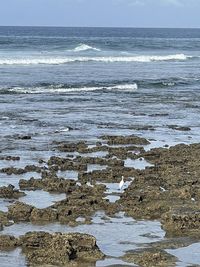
(8, 242)
(10, 192)
(150, 258)
(59, 249)
(19, 211)
(43, 215)
(118, 140)
(24, 137)
(179, 128)
(12, 170)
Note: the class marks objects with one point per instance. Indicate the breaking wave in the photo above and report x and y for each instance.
(111, 59)
(64, 89)
(84, 47)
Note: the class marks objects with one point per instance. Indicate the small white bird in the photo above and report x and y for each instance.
(121, 184)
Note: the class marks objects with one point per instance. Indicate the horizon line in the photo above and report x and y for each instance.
(111, 27)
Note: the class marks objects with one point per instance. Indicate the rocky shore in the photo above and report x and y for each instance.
(168, 190)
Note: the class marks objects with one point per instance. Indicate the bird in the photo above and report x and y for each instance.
(121, 184)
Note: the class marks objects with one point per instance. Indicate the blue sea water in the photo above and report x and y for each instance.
(98, 80)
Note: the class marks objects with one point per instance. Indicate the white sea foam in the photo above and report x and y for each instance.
(52, 89)
(111, 59)
(85, 47)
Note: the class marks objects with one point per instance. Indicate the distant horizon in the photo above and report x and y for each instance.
(111, 27)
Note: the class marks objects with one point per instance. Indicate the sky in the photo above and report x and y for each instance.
(101, 13)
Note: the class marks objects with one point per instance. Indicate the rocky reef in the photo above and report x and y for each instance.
(167, 191)
(57, 249)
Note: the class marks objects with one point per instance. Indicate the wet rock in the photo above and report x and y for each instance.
(159, 115)
(72, 147)
(8, 242)
(10, 192)
(179, 128)
(119, 140)
(60, 185)
(19, 211)
(4, 219)
(24, 137)
(83, 202)
(32, 168)
(9, 158)
(169, 185)
(150, 258)
(64, 164)
(182, 221)
(59, 249)
(43, 215)
(12, 170)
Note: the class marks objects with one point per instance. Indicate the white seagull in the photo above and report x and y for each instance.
(121, 184)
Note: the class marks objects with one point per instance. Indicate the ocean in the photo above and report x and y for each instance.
(98, 80)
(70, 84)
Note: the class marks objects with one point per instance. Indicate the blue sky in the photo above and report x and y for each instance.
(110, 13)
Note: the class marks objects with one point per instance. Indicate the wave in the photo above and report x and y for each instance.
(63, 89)
(85, 47)
(65, 60)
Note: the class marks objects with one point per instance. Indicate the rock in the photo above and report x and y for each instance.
(72, 147)
(182, 221)
(43, 215)
(60, 185)
(10, 158)
(19, 211)
(4, 219)
(10, 192)
(150, 258)
(32, 168)
(24, 137)
(59, 249)
(123, 140)
(12, 170)
(179, 128)
(8, 242)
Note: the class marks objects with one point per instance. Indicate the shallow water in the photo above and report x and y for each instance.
(188, 256)
(140, 163)
(114, 235)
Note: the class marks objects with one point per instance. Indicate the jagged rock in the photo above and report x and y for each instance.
(182, 221)
(19, 211)
(10, 158)
(59, 249)
(10, 192)
(4, 219)
(150, 258)
(12, 170)
(123, 140)
(8, 242)
(43, 215)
